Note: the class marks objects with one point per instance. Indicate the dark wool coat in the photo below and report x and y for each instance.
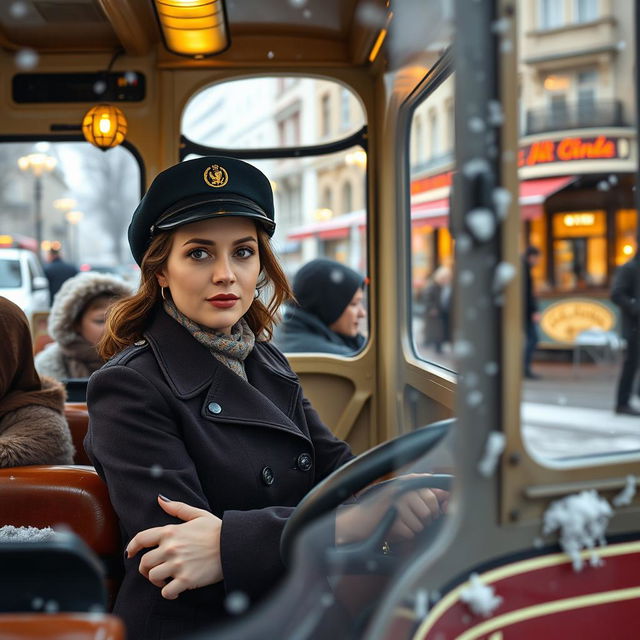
(167, 417)
(303, 332)
(625, 293)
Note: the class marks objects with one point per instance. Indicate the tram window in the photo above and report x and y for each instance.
(580, 258)
(294, 111)
(85, 200)
(320, 200)
(577, 206)
(431, 166)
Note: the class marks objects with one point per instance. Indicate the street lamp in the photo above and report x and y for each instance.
(73, 218)
(65, 205)
(38, 164)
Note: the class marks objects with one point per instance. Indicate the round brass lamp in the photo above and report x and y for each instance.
(104, 126)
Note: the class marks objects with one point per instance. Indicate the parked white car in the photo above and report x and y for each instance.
(22, 280)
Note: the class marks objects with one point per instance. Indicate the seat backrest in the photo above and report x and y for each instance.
(60, 626)
(59, 573)
(64, 496)
(78, 419)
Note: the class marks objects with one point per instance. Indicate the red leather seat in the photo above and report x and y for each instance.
(68, 496)
(60, 626)
(40, 342)
(78, 418)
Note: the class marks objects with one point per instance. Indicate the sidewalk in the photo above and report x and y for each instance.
(570, 412)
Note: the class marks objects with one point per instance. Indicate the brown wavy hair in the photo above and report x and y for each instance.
(129, 318)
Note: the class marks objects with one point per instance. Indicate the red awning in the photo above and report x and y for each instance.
(338, 227)
(431, 214)
(533, 193)
(435, 213)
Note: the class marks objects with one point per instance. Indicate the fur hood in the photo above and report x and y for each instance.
(74, 295)
(36, 434)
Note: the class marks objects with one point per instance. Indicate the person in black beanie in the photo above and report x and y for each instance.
(327, 318)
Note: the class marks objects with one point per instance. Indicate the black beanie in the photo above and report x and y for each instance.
(324, 288)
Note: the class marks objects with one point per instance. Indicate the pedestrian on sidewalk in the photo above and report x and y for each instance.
(531, 315)
(626, 294)
(58, 271)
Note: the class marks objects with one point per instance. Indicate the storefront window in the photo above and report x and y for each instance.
(537, 238)
(580, 250)
(626, 224)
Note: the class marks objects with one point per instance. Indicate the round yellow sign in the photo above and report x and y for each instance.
(563, 321)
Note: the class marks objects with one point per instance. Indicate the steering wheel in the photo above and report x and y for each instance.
(361, 471)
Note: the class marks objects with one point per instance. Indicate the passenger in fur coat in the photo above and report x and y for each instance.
(76, 323)
(33, 429)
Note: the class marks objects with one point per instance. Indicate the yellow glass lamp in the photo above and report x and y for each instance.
(104, 126)
(195, 28)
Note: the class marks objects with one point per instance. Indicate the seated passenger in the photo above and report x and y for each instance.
(33, 429)
(329, 311)
(76, 323)
(197, 417)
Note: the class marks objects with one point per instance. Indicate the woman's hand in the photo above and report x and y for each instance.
(416, 509)
(187, 554)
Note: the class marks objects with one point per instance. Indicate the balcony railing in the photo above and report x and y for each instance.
(602, 113)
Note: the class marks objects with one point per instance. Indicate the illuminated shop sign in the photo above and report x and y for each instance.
(573, 148)
(564, 321)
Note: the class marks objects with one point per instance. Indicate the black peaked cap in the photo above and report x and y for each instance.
(324, 288)
(207, 187)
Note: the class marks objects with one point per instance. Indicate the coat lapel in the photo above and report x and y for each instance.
(269, 398)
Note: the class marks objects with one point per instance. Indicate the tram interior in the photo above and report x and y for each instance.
(364, 115)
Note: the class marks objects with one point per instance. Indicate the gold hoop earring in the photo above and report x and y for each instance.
(162, 293)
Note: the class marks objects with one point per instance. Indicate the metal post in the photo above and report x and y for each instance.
(37, 193)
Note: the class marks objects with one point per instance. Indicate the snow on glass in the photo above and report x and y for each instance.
(505, 272)
(475, 398)
(236, 602)
(581, 520)
(18, 10)
(625, 497)
(501, 201)
(26, 59)
(492, 450)
(481, 598)
(481, 223)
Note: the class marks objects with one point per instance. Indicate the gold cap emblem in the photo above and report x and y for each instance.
(216, 176)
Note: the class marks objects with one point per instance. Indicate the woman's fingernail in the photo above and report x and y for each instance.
(126, 553)
(164, 498)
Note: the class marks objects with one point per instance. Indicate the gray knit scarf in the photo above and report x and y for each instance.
(230, 350)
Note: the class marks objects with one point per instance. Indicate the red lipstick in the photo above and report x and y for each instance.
(223, 300)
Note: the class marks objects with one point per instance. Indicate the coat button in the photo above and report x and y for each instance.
(140, 343)
(267, 476)
(304, 462)
(214, 407)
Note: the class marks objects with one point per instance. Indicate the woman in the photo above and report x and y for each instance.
(329, 311)
(76, 323)
(198, 418)
(33, 429)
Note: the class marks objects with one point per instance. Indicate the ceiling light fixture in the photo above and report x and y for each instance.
(196, 28)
